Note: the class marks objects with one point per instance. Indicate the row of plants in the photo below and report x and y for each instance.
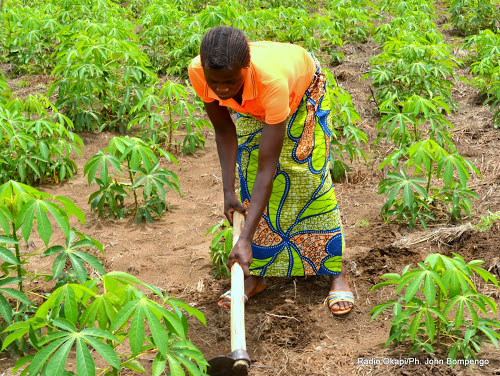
(469, 17)
(102, 78)
(103, 316)
(485, 68)
(412, 80)
(169, 32)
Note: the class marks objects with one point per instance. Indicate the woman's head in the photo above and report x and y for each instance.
(225, 56)
(224, 48)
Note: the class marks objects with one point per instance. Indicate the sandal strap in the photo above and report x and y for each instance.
(227, 295)
(340, 296)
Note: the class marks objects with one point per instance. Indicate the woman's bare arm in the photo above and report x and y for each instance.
(227, 148)
(269, 152)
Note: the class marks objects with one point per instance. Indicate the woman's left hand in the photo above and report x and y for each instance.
(242, 254)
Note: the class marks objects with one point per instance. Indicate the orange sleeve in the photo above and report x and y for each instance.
(275, 102)
(197, 79)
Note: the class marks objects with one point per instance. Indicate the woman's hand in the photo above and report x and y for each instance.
(232, 203)
(241, 253)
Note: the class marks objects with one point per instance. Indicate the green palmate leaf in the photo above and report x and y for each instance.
(491, 334)
(123, 277)
(173, 322)
(59, 215)
(175, 366)
(91, 260)
(429, 289)
(100, 334)
(124, 314)
(41, 357)
(190, 310)
(16, 294)
(25, 218)
(70, 305)
(377, 310)
(7, 255)
(472, 312)
(159, 363)
(406, 278)
(10, 280)
(429, 325)
(14, 336)
(64, 324)
(104, 161)
(402, 316)
(44, 227)
(136, 332)
(158, 331)
(414, 286)
(107, 352)
(71, 208)
(134, 365)
(459, 313)
(21, 362)
(58, 265)
(391, 276)
(415, 325)
(5, 310)
(57, 363)
(485, 275)
(33, 338)
(84, 362)
(77, 264)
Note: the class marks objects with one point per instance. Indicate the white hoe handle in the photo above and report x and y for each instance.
(238, 341)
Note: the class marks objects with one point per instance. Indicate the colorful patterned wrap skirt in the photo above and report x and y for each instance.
(300, 232)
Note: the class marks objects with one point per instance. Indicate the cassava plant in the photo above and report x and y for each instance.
(35, 144)
(100, 75)
(430, 180)
(220, 248)
(441, 307)
(137, 173)
(162, 113)
(21, 207)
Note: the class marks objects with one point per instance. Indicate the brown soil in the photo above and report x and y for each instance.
(289, 329)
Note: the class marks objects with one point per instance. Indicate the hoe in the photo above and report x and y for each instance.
(238, 363)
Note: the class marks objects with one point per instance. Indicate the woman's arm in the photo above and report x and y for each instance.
(269, 152)
(227, 148)
(271, 143)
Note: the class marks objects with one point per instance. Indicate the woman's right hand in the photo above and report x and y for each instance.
(231, 204)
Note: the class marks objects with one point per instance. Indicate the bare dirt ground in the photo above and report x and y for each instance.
(289, 329)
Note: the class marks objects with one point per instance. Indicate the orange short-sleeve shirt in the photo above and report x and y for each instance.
(278, 76)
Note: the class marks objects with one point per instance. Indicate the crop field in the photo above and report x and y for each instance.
(113, 240)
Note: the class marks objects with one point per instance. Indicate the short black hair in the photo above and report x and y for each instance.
(224, 48)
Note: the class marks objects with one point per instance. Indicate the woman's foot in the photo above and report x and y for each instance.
(340, 298)
(253, 285)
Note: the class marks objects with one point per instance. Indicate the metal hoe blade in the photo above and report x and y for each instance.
(227, 366)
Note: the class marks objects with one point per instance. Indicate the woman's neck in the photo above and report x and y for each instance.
(239, 96)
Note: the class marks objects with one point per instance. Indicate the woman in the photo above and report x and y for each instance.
(280, 143)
